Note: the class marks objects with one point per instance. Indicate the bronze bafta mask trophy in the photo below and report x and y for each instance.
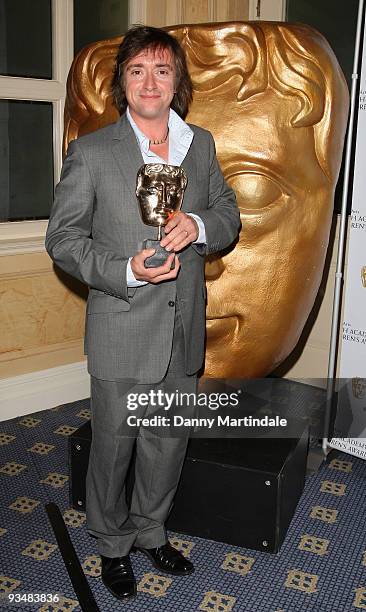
(159, 190)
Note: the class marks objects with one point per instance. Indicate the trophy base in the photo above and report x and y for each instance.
(160, 256)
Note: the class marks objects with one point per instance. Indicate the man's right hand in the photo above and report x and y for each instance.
(154, 275)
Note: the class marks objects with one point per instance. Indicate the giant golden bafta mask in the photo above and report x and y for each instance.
(275, 99)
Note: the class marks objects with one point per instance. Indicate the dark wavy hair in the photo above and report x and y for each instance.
(138, 39)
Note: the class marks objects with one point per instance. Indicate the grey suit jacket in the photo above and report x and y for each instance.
(95, 226)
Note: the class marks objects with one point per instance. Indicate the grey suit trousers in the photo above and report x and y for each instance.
(159, 460)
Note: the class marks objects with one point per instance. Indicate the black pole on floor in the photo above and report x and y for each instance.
(81, 586)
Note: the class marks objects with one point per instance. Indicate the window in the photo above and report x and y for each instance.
(26, 160)
(36, 51)
(26, 38)
(106, 19)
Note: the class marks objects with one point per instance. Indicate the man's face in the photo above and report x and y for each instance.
(159, 195)
(359, 387)
(149, 81)
(260, 293)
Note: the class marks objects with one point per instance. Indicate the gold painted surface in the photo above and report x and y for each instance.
(275, 99)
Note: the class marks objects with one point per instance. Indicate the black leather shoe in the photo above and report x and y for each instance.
(168, 559)
(117, 576)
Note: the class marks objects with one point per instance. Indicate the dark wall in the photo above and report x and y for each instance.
(336, 20)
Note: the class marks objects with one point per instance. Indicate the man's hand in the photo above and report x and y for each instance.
(153, 275)
(180, 231)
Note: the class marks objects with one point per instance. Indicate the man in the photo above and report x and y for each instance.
(145, 326)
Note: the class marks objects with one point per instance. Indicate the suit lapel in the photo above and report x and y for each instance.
(190, 166)
(127, 153)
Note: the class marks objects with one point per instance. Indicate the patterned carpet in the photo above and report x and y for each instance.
(321, 566)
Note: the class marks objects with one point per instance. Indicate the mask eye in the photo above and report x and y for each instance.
(254, 191)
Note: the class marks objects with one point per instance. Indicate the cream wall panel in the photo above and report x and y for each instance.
(174, 12)
(156, 12)
(42, 315)
(195, 11)
(267, 10)
(56, 355)
(137, 11)
(165, 12)
(229, 10)
(237, 10)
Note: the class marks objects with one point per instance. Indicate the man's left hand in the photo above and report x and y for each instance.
(180, 231)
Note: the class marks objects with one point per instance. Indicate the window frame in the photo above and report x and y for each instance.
(267, 10)
(17, 237)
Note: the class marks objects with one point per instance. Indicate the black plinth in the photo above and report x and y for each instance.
(243, 492)
(79, 449)
(240, 491)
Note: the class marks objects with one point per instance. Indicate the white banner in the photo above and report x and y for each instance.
(351, 412)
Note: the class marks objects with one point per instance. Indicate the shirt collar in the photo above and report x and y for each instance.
(179, 130)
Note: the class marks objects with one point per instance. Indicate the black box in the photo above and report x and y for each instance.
(239, 491)
(79, 449)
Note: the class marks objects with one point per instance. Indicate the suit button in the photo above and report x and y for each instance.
(171, 303)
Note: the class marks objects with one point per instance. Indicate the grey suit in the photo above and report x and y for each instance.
(94, 228)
